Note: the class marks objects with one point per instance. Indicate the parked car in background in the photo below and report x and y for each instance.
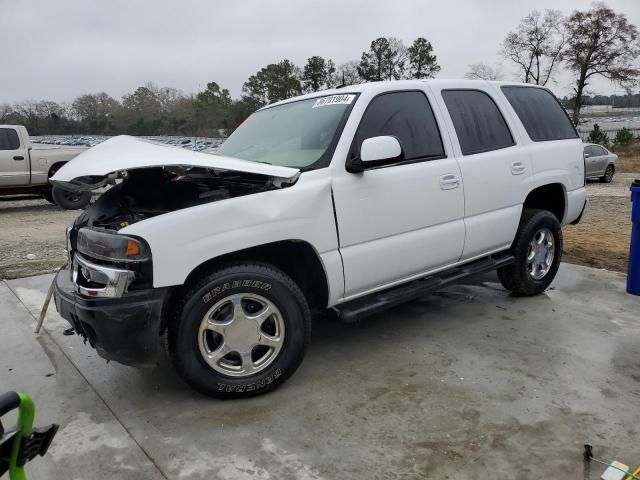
(25, 169)
(353, 199)
(599, 162)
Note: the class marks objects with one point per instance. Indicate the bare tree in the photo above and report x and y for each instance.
(536, 46)
(347, 74)
(396, 59)
(601, 42)
(482, 71)
(5, 110)
(385, 60)
(93, 106)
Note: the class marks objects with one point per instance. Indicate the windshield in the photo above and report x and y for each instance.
(295, 134)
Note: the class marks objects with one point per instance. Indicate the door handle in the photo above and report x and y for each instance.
(18, 157)
(449, 181)
(518, 168)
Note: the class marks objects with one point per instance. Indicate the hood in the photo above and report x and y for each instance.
(95, 167)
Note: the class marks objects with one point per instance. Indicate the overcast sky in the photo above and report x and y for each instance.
(59, 49)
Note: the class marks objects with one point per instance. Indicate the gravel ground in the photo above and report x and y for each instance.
(32, 236)
(601, 239)
(32, 233)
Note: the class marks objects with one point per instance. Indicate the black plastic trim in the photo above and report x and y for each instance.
(355, 310)
(124, 329)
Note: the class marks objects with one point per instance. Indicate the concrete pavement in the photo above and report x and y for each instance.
(464, 383)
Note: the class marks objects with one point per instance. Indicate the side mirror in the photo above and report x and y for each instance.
(375, 152)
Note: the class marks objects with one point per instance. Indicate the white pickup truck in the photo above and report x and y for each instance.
(25, 169)
(353, 199)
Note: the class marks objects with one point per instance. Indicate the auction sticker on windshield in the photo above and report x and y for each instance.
(334, 100)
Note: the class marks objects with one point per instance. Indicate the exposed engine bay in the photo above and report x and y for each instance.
(148, 192)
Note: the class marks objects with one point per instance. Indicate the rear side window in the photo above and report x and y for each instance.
(595, 151)
(407, 116)
(540, 112)
(9, 139)
(478, 122)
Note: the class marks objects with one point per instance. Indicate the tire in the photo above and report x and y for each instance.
(208, 321)
(48, 196)
(522, 278)
(70, 200)
(608, 174)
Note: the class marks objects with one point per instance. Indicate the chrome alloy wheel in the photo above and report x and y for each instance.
(540, 254)
(241, 335)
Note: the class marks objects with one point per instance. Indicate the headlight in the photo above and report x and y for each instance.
(111, 246)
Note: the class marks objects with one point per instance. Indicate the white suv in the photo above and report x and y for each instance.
(354, 199)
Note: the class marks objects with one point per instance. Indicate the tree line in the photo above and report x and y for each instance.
(629, 100)
(151, 110)
(588, 44)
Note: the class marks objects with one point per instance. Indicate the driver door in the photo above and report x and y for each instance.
(14, 164)
(402, 220)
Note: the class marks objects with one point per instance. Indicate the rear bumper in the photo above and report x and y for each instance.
(576, 206)
(124, 329)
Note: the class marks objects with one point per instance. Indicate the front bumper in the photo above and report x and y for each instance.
(124, 329)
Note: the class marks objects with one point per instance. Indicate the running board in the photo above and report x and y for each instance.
(355, 310)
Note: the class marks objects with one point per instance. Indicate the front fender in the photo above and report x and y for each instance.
(183, 239)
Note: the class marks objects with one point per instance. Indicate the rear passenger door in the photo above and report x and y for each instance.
(494, 168)
(402, 220)
(600, 159)
(591, 160)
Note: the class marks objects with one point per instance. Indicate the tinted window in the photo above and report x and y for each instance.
(541, 114)
(600, 151)
(407, 116)
(595, 151)
(478, 122)
(9, 139)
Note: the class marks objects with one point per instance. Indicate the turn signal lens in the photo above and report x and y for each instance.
(133, 248)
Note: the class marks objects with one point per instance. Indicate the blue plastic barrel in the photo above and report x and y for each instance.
(633, 273)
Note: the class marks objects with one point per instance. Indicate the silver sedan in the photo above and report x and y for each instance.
(599, 162)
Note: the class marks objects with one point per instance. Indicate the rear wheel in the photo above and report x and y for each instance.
(70, 200)
(240, 331)
(537, 249)
(608, 174)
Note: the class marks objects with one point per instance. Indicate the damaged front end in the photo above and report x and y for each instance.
(108, 294)
(106, 263)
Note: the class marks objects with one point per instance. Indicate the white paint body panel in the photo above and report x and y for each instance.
(182, 240)
(396, 221)
(125, 153)
(389, 225)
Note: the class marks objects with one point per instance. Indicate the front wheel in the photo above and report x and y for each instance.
(70, 200)
(537, 249)
(48, 196)
(240, 331)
